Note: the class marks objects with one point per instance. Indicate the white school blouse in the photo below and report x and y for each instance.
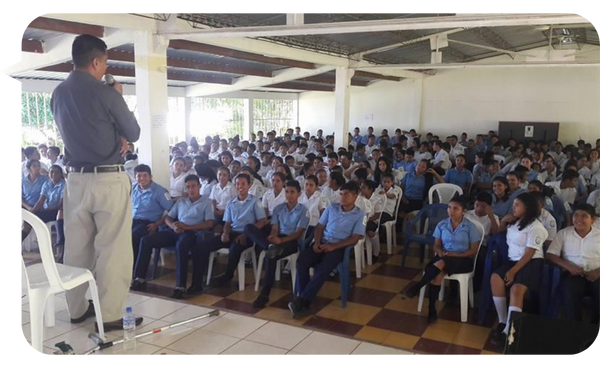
(584, 252)
(533, 236)
(315, 204)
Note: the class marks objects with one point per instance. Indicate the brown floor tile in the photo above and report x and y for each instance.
(167, 280)
(225, 290)
(471, 336)
(397, 271)
(283, 284)
(372, 334)
(370, 269)
(280, 315)
(237, 306)
(159, 290)
(204, 299)
(431, 346)
(383, 283)
(248, 295)
(486, 352)
(317, 304)
(345, 328)
(462, 350)
(402, 304)
(375, 298)
(353, 313)
(401, 340)
(330, 290)
(442, 330)
(451, 312)
(399, 322)
(321, 323)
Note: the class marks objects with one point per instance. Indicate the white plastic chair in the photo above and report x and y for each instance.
(292, 258)
(465, 282)
(390, 226)
(368, 244)
(30, 242)
(45, 280)
(241, 268)
(445, 192)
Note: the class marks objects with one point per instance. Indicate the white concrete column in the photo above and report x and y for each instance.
(417, 105)
(152, 100)
(248, 118)
(343, 78)
(187, 104)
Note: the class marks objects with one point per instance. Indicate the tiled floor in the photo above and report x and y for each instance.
(377, 319)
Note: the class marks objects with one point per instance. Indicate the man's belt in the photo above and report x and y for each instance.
(97, 169)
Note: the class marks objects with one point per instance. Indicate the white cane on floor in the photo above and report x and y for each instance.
(101, 345)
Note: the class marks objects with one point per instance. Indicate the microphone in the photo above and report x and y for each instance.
(109, 79)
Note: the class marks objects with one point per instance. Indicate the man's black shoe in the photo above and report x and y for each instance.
(178, 294)
(219, 281)
(261, 301)
(117, 325)
(274, 251)
(432, 318)
(194, 290)
(138, 285)
(90, 312)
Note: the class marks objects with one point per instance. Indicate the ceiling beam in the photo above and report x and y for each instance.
(409, 42)
(279, 76)
(120, 21)
(127, 72)
(32, 46)
(529, 64)
(330, 79)
(509, 52)
(359, 73)
(194, 65)
(62, 26)
(216, 50)
(303, 87)
(492, 38)
(455, 21)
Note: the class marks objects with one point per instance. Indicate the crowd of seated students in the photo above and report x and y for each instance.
(297, 192)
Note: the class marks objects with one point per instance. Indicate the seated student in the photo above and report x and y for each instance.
(341, 225)
(551, 171)
(547, 192)
(221, 194)
(235, 168)
(413, 188)
(237, 156)
(484, 214)
(480, 166)
(31, 190)
(323, 178)
(576, 250)
(288, 223)
(208, 179)
(491, 169)
(257, 187)
(594, 200)
(456, 243)
(347, 165)
(214, 151)
(275, 163)
(391, 192)
(32, 153)
(383, 168)
(265, 164)
(442, 158)
(581, 188)
(189, 215)
(459, 175)
(409, 163)
(308, 169)
(313, 199)
(55, 159)
(253, 163)
(276, 195)
(523, 270)
(332, 190)
(286, 171)
(149, 202)
(566, 188)
(290, 162)
(360, 154)
(423, 153)
(242, 210)
(177, 177)
(374, 159)
(502, 200)
(546, 218)
(368, 190)
(515, 183)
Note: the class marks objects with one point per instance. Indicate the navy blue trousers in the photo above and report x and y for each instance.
(323, 263)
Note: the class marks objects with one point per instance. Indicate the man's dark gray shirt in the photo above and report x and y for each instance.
(91, 118)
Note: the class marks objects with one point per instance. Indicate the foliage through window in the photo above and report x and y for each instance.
(277, 115)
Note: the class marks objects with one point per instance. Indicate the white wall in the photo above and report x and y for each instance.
(382, 104)
(471, 100)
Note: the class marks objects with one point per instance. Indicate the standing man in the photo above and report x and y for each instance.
(95, 124)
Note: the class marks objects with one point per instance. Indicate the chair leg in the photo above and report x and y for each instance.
(471, 293)
(97, 309)
(49, 320)
(421, 298)
(36, 317)
(388, 236)
(157, 254)
(242, 273)
(261, 259)
(357, 258)
(278, 271)
(369, 247)
(211, 259)
(464, 300)
(293, 260)
(442, 287)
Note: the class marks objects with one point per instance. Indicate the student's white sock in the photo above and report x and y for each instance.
(500, 303)
(510, 310)
(375, 244)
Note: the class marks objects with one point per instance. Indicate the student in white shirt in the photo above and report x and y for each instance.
(546, 218)
(332, 190)
(323, 178)
(276, 195)
(237, 155)
(265, 164)
(441, 159)
(576, 250)
(275, 163)
(523, 270)
(484, 214)
(392, 193)
(314, 200)
(566, 189)
(423, 153)
(54, 158)
(32, 152)
(368, 191)
(221, 194)
(594, 200)
(257, 189)
(177, 179)
(214, 151)
(208, 179)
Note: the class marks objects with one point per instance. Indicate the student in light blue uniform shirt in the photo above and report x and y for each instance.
(456, 242)
(459, 175)
(341, 225)
(242, 210)
(149, 203)
(409, 163)
(31, 184)
(188, 216)
(288, 222)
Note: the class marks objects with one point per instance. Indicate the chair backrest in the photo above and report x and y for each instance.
(471, 185)
(43, 237)
(482, 229)
(445, 192)
(434, 214)
(383, 208)
(398, 200)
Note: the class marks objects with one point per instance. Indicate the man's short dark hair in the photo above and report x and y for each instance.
(54, 149)
(484, 197)
(410, 152)
(333, 155)
(350, 186)
(293, 184)
(586, 208)
(243, 176)
(30, 151)
(361, 173)
(570, 175)
(143, 168)
(192, 178)
(85, 49)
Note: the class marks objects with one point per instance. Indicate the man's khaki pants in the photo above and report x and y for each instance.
(97, 214)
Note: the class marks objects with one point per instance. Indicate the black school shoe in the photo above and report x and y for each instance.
(194, 290)
(178, 294)
(261, 301)
(90, 312)
(499, 340)
(300, 308)
(138, 285)
(499, 329)
(274, 251)
(219, 281)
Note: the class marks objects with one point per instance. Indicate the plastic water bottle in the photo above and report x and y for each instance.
(129, 330)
